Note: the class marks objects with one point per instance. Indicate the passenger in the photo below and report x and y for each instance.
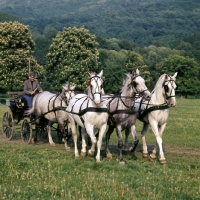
(30, 88)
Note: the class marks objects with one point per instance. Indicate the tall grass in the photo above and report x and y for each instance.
(43, 172)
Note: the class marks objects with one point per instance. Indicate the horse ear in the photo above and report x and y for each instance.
(133, 73)
(166, 77)
(101, 73)
(137, 72)
(89, 74)
(73, 87)
(175, 75)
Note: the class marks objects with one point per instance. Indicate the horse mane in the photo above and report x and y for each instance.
(160, 81)
(126, 82)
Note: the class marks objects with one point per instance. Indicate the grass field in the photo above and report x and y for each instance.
(39, 171)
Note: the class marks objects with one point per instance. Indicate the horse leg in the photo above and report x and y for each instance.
(162, 157)
(158, 136)
(108, 134)
(135, 138)
(120, 144)
(144, 144)
(74, 135)
(49, 125)
(84, 145)
(99, 143)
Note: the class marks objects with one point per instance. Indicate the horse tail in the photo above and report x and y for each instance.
(30, 111)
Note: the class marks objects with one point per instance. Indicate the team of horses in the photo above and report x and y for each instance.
(96, 110)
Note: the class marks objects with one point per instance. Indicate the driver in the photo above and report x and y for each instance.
(30, 87)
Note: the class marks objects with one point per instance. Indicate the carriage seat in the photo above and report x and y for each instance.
(19, 103)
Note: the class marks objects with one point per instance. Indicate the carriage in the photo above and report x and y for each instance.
(16, 114)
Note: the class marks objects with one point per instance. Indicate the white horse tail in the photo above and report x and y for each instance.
(30, 111)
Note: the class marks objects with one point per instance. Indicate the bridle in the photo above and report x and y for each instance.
(97, 87)
(70, 93)
(134, 86)
(166, 88)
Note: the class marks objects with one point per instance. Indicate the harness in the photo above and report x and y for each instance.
(156, 107)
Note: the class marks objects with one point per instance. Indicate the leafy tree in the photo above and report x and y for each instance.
(188, 72)
(16, 45)
(71, 55)
(135, 61)
(113, 64)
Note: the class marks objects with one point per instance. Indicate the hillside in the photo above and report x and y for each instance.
(142, 21)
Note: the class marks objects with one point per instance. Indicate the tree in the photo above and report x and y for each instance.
(16, 45)
(113, 64)
(188, 73)
(71, 55)
(135, 61)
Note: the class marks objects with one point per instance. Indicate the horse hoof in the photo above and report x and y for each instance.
(33, 141)
(145, 155)
(122, 163)
(90, 153)
(151, 158)
(163, 162)
(53, 144)
(77, 157)
(109, 155)
(83, 154)
(67, 148)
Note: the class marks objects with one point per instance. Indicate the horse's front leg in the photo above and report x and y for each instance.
(144, 144)
(159, 143)
(99, 143)
(108, 134)
(135, 138)
(49, 125)
(90, 131)
(120, 144)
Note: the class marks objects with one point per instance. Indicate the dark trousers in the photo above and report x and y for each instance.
(29, 100)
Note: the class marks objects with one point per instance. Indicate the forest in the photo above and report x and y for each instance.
(153, 29)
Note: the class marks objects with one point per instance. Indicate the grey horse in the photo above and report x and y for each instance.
(122, 113)
(52, 107)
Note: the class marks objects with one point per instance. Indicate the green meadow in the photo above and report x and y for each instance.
(40, 171)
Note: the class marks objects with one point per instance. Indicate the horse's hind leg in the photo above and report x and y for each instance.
(49, 125)
(84, 145)
(108, 134)
(144, 144)
(135, 138)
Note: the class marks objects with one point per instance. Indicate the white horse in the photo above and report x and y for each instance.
(155, 112)
(52, 107)
(90, 112)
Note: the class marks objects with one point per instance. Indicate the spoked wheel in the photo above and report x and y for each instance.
(41, 132)
(26, 131)
(8, 125)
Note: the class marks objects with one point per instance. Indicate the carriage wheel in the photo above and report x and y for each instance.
(8, 125)
(41, 132)
(26, 131)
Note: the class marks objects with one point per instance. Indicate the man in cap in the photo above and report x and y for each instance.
(30, 87)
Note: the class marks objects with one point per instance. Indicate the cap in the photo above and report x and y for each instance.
(32, 74)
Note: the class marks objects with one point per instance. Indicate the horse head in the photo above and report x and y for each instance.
(68, 92)
(138, 84)
(95, 89)
(169, 86)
